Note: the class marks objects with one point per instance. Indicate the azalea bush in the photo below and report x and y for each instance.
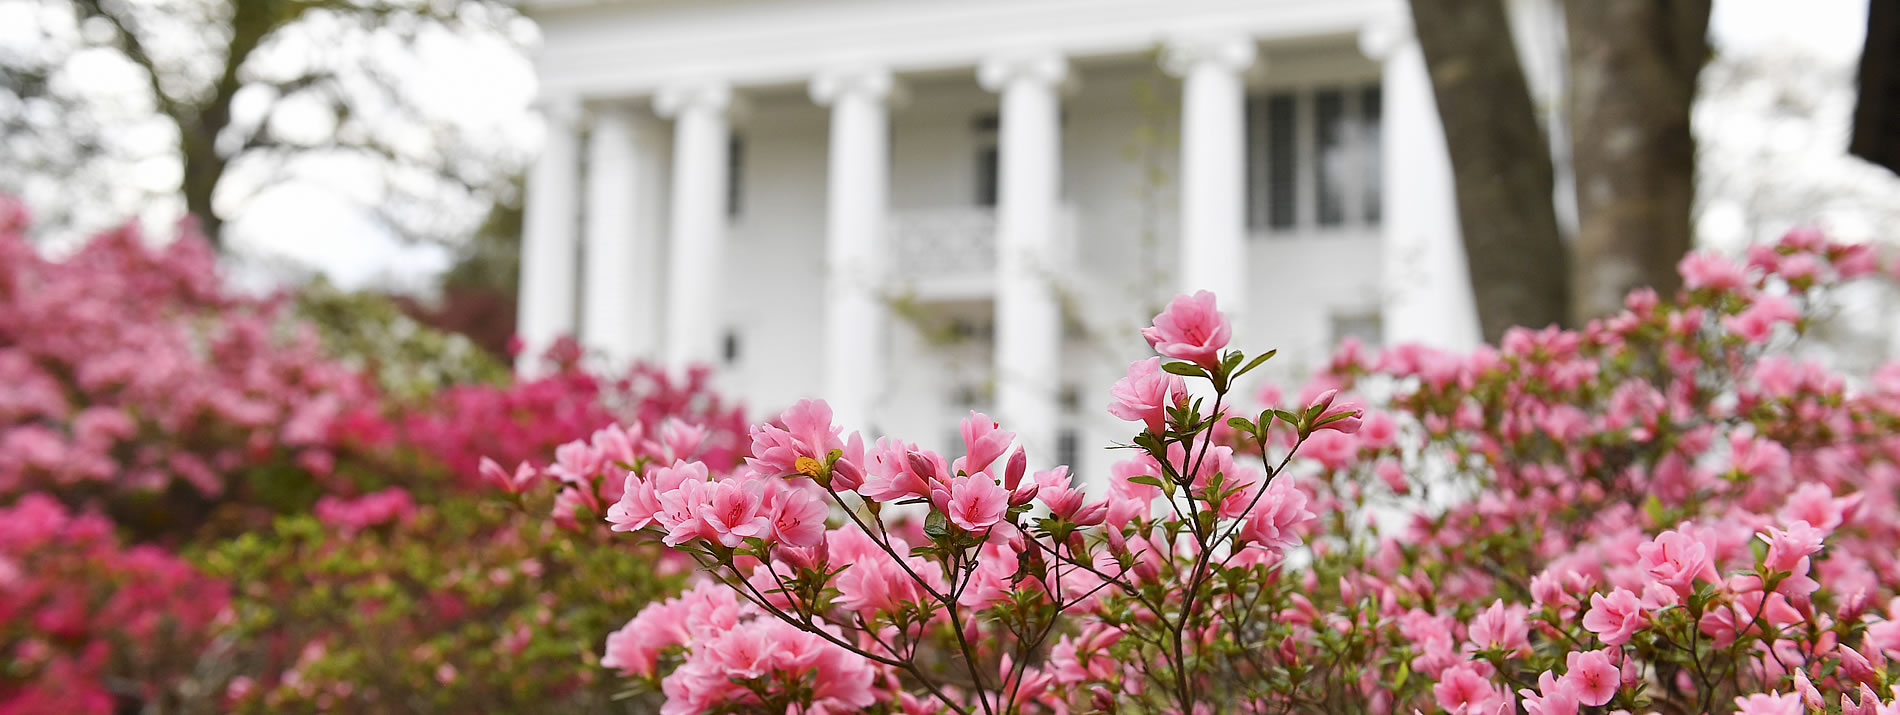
(459, 605)
(136, 379)
(263, 506)
(89, 624)
(1661, 512)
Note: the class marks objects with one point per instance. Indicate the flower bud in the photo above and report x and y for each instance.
(846, 475)
(1092, 514)
(1023, 494)
(1013, 472)
(1325, 399)
(804, 557)
(492, 473)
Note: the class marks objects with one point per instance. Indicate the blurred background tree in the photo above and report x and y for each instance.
(1631, 71)
(217, 101)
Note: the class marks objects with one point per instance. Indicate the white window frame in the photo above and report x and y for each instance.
(1306, 170)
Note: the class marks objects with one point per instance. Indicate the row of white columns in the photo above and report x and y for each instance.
(621, 234)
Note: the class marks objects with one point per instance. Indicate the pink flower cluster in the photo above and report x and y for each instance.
(132, 366)
(530, 418)
(82, 618)
(355, 514)
(1670, 518)
(1660, 512)
(735, 658)
(801, 546)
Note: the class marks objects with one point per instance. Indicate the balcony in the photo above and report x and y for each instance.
(949, 254)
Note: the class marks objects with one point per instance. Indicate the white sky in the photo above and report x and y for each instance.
(1830, 29)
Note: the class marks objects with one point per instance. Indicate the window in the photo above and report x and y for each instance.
(1070, 399)
(1372, 172)
(986, 175)
(967, 397)
(1069, 452)
(986, 158)
(1367, 327)
(729, 347)
(963, 329)
(735, 175)
(1313, 158)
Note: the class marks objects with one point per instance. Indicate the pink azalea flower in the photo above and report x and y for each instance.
(1146, 394)
(1616, 617)
(1553, 696)
(983, 442)
(1788, 549)
(1501, 627)
(801, 447)
(1275, 521)
(1592, 676)
(798, 518)
(731, 511)
(1677, 559)
(639, 503)
(1462, 691)
(976, 503)
(1191, 329)
(1773, 703)
(1702, 269)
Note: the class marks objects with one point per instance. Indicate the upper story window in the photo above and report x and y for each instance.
(1313, 158)
(986, 159)
(735, 175)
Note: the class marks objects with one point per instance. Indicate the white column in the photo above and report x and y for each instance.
(857, 197)
(621, 229)
(1028, 319)
(1429, 293)
(1213, 164)
(545, 307)
(695, 318)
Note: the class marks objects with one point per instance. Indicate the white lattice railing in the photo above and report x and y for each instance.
(943, 243)
(952, 245)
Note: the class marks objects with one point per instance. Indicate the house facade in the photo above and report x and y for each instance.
(916, 208)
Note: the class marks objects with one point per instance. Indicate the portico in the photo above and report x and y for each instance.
(928, 172)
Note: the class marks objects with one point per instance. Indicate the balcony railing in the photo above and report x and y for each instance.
(944, 243)
(951, 252)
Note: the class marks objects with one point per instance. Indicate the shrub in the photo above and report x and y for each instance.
(137, 380)
(460, 605)
(1660, 512)
(88, 624)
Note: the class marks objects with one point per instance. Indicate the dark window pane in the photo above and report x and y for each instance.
(1372, 133)
(986, 176)
(735, 174)
(1256, 153)
(1069, 451)
(1331, 157)
(1282, 182)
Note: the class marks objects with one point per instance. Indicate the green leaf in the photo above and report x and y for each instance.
(936, 526)
(1147, 479)
(1186, 369)
(1257, 362)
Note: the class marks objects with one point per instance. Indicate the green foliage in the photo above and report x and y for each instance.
(408, 359)
(469, 605)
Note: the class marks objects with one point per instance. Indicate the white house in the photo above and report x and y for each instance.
(915, 208)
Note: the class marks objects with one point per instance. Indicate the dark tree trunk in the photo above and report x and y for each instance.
(203, 169)
(1500, 162)
(1633, 69)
